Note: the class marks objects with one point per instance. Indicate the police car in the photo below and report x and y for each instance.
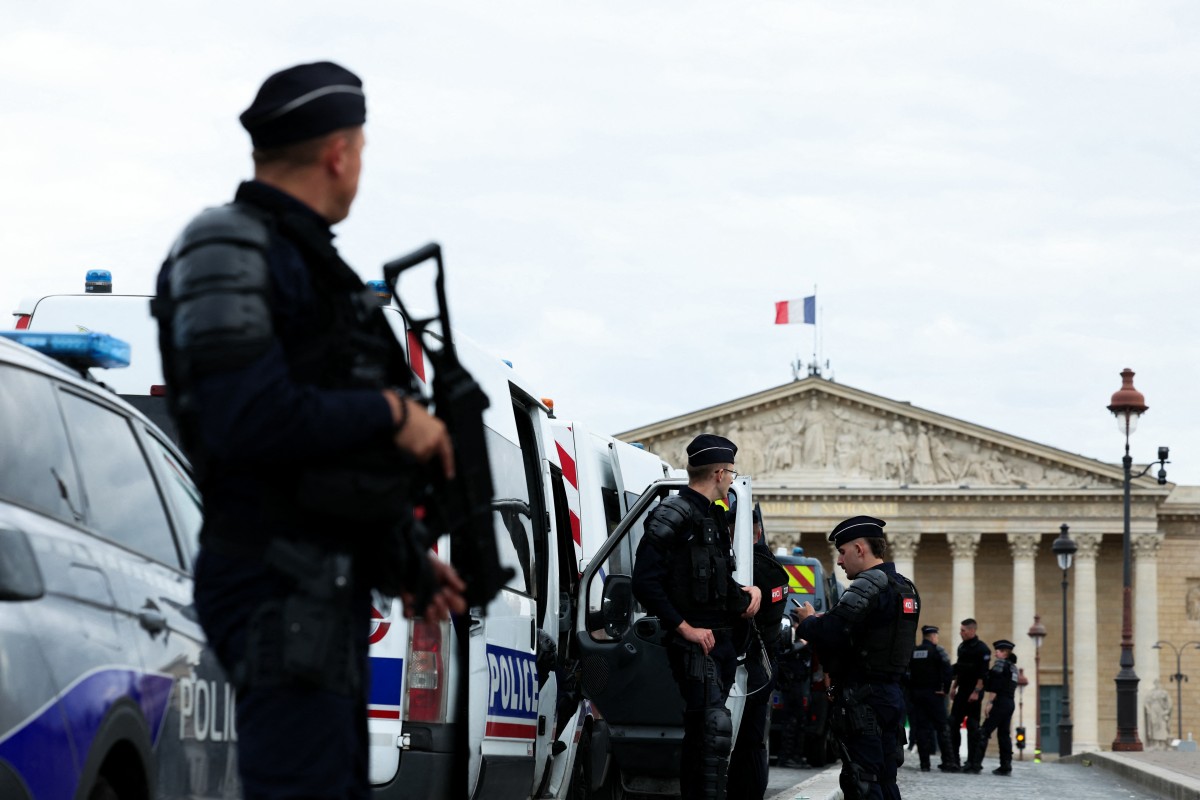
(106, 689)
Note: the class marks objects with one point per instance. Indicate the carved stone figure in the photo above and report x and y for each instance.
(813, 425)
(943, 459)
(896, 453)
(922, 460)
(871, 450)
(1157, 711)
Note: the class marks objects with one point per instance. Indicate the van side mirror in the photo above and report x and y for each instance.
(616, 605)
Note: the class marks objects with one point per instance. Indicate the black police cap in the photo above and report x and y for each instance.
(1003, 644)
(861, 527)
(928, 629)
(304, 102)
(708, 448)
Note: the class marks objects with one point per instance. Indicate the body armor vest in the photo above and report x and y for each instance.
(925, 669)
(1002, 678)
(888, 649)
(700, 570)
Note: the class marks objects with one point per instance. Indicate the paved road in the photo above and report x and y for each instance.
(1028, 780)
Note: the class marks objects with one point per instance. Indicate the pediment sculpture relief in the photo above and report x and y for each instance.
(818, 438)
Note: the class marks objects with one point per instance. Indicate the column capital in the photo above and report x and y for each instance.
(904, 545)
(1087, 546)
(963, 545)
(1146, 545)
(1023, 545)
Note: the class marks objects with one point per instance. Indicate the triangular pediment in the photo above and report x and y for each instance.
(814, 432)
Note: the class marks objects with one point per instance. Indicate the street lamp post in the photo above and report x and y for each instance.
(1037, 632)
(1064, 550)
(1022, 682)
(1128, 404)
(1178, 678)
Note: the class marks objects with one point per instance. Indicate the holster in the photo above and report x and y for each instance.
(305, 638)
(850, 715)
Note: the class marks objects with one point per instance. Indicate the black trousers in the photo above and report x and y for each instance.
(962, 709)
(703, 767)
(878, 752)
(928, 721)
(999, 719)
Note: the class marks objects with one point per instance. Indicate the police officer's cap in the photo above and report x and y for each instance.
(708, 448)
(1002, 644)
(304, 102)
(928, 629)
(861, 527)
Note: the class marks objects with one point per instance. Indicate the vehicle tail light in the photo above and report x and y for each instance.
(23, 321)
(425, 698)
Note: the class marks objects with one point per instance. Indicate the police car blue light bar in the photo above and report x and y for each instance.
(77, 349)
(98, 281)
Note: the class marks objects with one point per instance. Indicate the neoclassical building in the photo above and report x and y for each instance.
(971, 514)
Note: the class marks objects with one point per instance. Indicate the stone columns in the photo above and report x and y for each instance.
(1024, 548)
(903, 550)
(1145, 604)
(1084, 686)
(962, 549)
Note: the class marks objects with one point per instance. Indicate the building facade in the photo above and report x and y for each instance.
(971, 514)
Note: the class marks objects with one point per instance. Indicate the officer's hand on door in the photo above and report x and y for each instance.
(755, 601)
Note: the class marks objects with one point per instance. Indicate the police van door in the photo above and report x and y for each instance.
(504, 642)
(623, 650)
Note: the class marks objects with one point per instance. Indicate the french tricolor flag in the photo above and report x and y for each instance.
(796, 312)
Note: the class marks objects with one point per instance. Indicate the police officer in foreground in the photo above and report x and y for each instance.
(297, 410)
(683, 574)
(865, 641)
(929, 677)
(764, 637)
(999, 688)
(966, 692)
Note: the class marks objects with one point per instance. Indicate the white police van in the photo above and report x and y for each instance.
(106, 689)
(524, 718)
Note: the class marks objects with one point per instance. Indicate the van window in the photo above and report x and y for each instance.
(612, 507)
(123, 500)
(511, 510)
(36, 470)
(185, 498)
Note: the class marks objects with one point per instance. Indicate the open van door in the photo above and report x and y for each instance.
(624, 657)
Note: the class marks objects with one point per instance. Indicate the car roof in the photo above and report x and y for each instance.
(21, 356)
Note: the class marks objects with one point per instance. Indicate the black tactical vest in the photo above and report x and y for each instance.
(700, 570)
(1002, 678)
(926, 667)
(887, 649)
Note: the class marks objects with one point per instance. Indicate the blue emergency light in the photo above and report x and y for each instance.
(98, 281)
(80, 350)
(380, 290)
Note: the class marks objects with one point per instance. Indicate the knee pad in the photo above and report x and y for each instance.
(718, 731)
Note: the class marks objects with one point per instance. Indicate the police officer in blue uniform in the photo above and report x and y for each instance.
(865, 642)
(929, 677)
(999, 687)
(296, 406)
(683, 574)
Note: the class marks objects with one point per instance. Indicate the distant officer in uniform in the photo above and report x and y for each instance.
(683, 574)
(1000, 686)
(865, 642)
(297, 409)
(966, 692)
(929, 677)
(748, 765)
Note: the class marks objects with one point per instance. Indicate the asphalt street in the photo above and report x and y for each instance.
(1028, 780)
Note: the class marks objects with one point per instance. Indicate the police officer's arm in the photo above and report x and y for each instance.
(755, 599)
(833, 629)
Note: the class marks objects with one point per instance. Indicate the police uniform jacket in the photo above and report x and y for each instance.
(653, 569)
(1002, 678)
(972, 664)
(256, 427)
(889, 624)
(930, 668)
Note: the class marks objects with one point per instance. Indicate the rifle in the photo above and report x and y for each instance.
(462, 506)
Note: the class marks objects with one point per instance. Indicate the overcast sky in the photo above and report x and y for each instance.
(998, 201)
